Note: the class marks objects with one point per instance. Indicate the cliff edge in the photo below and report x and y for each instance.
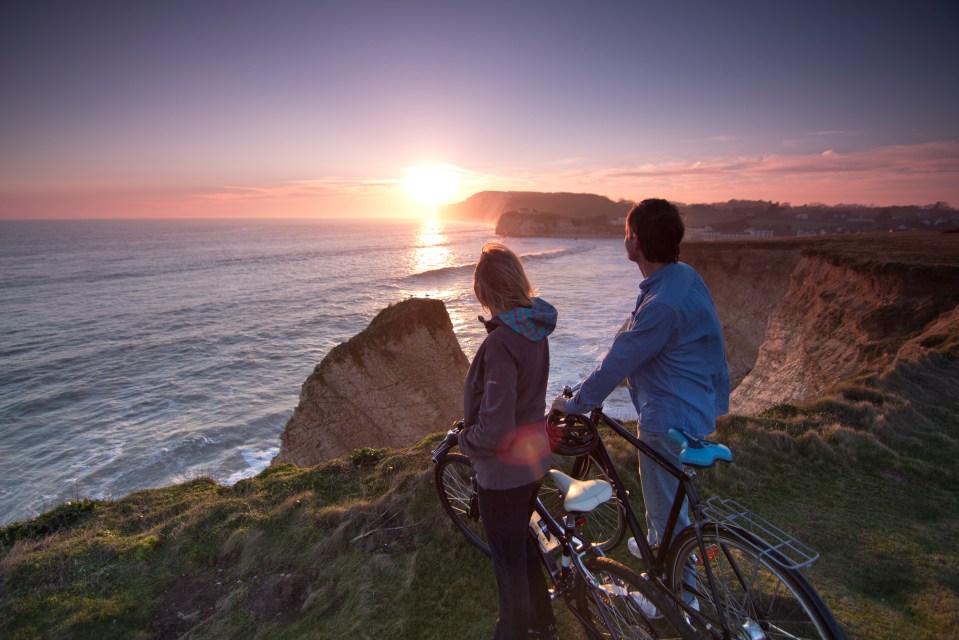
(801, 317)
(747, 280)
(392, 384)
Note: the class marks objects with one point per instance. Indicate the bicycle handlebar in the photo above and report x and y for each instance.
(570, 390)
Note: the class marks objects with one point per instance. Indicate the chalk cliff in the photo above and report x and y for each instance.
(802, 316)
(747, 281)
(836, 322)
(389, 386)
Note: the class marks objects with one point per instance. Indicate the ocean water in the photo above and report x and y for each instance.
(137, 354)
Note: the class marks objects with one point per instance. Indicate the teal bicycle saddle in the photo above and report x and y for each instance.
(697, 452)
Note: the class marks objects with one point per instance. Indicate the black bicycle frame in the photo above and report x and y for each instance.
(564, 533)
(684, 491)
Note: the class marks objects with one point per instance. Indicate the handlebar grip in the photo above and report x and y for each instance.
(440, 451)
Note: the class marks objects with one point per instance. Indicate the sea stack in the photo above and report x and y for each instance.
(392, 384)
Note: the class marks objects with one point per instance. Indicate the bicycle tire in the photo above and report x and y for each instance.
(612, 609)
(762, 598)
(605, 526)
(455, 480)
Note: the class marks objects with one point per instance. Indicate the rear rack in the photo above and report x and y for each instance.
(783, 549)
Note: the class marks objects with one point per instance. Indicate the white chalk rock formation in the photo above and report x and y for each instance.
(397, 381)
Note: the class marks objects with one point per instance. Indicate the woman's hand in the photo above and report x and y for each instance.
(559, 405)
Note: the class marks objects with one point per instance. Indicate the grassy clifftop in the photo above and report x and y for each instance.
(359, 548)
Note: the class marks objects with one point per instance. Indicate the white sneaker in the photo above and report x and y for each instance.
(647, 607)
(634, 548)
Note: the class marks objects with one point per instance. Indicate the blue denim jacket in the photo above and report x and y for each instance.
(671, 354)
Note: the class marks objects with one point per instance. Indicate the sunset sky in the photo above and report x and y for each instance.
(320, 108)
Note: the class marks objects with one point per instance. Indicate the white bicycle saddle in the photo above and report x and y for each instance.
(580, 496)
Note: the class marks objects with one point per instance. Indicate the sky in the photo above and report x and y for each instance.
(206, 108)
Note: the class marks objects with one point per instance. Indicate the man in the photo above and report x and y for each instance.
(671, 354)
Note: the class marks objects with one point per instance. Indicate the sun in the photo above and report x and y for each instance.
(432, 186)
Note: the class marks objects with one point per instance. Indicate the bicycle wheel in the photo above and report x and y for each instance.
(455, 481)
(606, 524)
(625, 605)
(760, 598)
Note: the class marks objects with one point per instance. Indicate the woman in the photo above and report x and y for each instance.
(504, 403)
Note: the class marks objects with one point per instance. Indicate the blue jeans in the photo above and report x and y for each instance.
(659, 487)
(521, 588)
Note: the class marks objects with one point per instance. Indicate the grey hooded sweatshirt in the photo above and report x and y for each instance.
(504, 399)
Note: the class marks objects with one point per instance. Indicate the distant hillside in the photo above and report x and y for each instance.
(564, 214)
(488, 206)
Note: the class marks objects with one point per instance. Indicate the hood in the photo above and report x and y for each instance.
(533, 323)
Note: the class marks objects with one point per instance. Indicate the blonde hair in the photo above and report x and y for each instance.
(499, 280)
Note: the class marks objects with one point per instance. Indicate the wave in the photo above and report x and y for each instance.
(551, 254)
(534, 256)
(440, 273)
(256, 458)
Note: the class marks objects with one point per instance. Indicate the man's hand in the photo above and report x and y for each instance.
(453, 436)
(559, 405)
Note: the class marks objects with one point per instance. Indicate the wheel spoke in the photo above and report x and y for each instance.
(618, 608)
(455, 484)
(755, 596)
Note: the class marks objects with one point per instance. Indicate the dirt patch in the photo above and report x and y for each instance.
(187, 601)
(191, 599)
(897, 476)
(279, 597)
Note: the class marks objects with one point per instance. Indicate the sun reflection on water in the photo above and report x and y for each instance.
(432, 255)
(431, 248)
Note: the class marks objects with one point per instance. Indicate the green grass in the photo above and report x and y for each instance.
(866, 475)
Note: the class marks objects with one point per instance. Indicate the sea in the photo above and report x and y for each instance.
(142, 353)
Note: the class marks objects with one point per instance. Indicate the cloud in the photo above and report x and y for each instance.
(901, 174)
(834, 132)
(293, 189)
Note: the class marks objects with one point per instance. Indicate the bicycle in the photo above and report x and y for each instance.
(609, 599)
(732, 573)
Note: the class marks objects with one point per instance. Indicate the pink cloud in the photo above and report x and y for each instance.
(901, 174)
(319, 188)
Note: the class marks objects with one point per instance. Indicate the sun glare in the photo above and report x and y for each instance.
(431, 186)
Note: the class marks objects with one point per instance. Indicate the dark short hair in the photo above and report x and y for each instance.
(659, 227)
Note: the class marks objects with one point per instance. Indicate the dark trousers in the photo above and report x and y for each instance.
(521, 587)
